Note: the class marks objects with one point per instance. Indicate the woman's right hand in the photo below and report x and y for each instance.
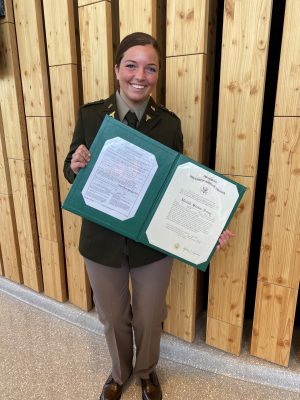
(80, 158)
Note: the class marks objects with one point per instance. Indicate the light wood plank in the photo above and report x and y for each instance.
(181, 301)
(273, 322)
(82, 3)
(5, 185)
(229, 266)
(78, 284)
(53, 269)
(137, 16)
(26, 223)
(280, 251)
(65, 103)
(245, 43)
(11, 96)
(96, 50)
(185, 83)
(32, 56)
(1, 263)
(43, 168)
(60, 31)
(225, 336)
(288, 87)
(9, 240)
(187, 19)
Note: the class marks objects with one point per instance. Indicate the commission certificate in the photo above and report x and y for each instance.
(192, 213)
(119, 179)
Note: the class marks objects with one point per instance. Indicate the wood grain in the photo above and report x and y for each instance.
(288, 87)
(273, 322)
(96, 50)
(187, 19)
(32, 57)
(245, 40)
(60, 31)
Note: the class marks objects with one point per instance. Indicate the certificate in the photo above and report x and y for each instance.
(154, 195)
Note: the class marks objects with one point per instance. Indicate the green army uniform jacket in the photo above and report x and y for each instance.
(97, 243)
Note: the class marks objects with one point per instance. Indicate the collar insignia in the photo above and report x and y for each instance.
(110, 106)
(148, 117)
(112, 114)
(153, 108)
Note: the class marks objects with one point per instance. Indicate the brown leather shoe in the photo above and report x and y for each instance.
(111, 390)
(151, 389)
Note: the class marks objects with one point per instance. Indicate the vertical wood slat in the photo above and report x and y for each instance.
(228, 279)
(185, 90)
(278, 278)
(96, 50)
(33, 64)
(245, 41)
(1, 263)
(60, 34)
(26, 223)
(15, 133)
(137, 16)
(10, 252)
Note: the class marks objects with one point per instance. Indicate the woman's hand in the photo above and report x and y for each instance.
(224, 238)
(80, 158)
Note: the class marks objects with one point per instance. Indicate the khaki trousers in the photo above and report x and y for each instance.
(121, 319)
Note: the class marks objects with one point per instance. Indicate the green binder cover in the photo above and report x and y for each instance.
(154, 195)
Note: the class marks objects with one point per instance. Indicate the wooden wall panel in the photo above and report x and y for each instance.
(228, 279)
(273, 322)
(279, 274)
(288, 93)
(1, 263)
(60, 31)
(96, 50)
(243, 68)
(137, 16)
(10, 254)
(32, 56)
(26, 223)
(185, 84)
(11, 96)
(15, 134)
(245, 40)
(59, 18)
(187, 19)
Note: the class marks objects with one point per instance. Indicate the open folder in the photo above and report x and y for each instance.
(154, 195)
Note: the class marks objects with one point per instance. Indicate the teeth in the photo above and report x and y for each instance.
(137, 86)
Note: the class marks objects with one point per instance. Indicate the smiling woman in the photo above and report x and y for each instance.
(111, 258)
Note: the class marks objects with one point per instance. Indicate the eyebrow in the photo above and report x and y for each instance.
(135, 62)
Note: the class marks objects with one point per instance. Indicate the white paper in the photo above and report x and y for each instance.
(119, 179)
(192, 213)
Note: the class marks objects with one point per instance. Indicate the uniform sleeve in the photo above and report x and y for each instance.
(78, 139)
(178, 139)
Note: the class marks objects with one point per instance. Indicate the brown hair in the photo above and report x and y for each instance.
(136, 39)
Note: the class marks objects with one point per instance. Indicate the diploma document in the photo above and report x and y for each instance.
(154, 195)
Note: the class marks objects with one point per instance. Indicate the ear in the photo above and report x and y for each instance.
(117, 72)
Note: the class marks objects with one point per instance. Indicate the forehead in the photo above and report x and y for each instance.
(146, 54)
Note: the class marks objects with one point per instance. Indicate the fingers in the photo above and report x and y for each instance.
(80, 158)
(224, 238)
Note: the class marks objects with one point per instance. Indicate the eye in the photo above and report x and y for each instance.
(151, 69)
(130, 66)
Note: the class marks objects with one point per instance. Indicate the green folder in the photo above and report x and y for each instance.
(149, 212)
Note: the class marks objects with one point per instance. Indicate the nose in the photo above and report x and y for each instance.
(140, 74)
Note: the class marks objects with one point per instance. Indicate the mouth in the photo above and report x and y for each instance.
(138, 86)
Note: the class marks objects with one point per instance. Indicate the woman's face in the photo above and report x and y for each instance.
(137, 74)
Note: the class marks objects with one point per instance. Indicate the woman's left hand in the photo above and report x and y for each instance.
(224, 238)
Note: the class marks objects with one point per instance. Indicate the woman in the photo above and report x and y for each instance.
(111, 258)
